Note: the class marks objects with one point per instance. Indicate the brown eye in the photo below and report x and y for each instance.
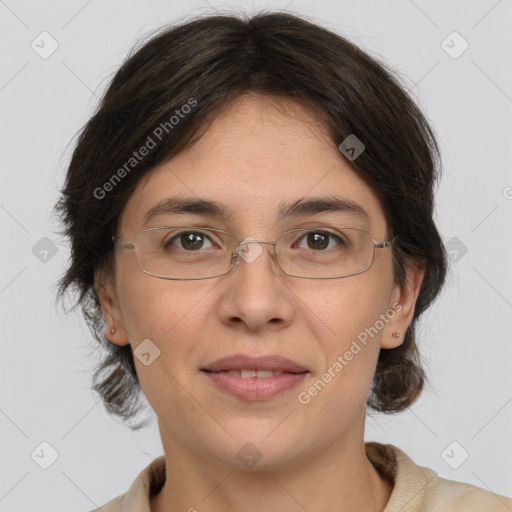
(320, 240)
(188, 240)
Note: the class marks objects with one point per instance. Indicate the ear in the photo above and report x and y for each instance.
(402, 303)
(115, 330)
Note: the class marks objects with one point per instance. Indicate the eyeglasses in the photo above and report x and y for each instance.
(184, 252)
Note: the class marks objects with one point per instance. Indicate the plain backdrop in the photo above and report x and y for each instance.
(465, 340)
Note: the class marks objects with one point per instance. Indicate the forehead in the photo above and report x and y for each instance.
(258, 156)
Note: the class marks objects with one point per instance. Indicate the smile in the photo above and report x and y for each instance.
(260, 374)
(254, 385)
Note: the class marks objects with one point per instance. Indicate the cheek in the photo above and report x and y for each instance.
(344, 308)
(169, 315)
(348, 325)
(152, 306)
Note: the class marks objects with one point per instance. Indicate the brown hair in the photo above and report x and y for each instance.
(206, 63)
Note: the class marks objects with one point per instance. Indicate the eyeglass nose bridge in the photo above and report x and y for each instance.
(237, 254)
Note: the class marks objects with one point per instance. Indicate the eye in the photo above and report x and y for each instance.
(188, 240)
(320, 240)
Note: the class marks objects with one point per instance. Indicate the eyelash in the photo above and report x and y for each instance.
(177, 236)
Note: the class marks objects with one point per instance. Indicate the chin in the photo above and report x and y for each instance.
(255, 447)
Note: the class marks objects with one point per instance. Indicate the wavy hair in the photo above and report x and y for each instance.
(215, 59)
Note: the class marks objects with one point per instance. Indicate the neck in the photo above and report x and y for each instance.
(342, 478)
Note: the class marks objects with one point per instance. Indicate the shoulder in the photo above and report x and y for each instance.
(420, 489)
(138, 497)
(456, 496)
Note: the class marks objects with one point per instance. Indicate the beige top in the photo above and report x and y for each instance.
(416, 488)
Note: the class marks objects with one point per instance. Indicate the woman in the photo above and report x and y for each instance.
(250, 216)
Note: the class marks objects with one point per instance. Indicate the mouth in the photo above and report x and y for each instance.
(255, 378)
(250, 374)
(253, 387)
(246, 363)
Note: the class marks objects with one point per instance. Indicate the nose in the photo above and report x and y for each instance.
(254, 293)
(250, 253)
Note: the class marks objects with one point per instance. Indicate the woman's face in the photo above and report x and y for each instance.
(252, 160)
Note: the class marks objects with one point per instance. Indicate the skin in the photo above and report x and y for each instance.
(257, 153)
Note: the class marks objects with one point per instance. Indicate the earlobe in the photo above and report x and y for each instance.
(112, 315)
(403, 303)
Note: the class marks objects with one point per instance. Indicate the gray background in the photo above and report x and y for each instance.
(48, 356)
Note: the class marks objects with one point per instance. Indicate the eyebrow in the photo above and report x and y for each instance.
(298, 208)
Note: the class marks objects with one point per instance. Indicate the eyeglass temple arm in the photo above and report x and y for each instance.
(383, 245)
(123, 245)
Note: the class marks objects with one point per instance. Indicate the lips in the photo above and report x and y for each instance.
(241, 362)
(255, 378)
(260, 374)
